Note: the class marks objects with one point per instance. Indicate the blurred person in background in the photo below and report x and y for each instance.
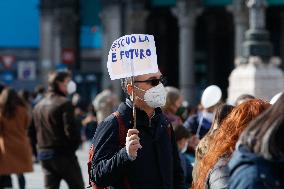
(243, 98)
(182, 136)
(220, 114)
(212, 170)
(89, 124)
(79, 111)
(5, 180)
(26, 96)
(15, 149)
(39, 94)
(258, 161)
(199, 124)
(173, 107)
(58, 133)
(78, 104)
(105, 103)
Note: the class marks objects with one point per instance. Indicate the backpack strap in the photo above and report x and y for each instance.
(122, 130)
(122, 133)
(122, 139)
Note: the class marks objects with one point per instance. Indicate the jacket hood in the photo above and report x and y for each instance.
(242, 155)
(125, 110)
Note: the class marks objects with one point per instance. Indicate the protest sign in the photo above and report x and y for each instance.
(132, 55)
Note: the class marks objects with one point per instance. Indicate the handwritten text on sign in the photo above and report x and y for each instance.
(137, 50)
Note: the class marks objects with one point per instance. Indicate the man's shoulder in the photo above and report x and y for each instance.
(108, 123)
(53, 101)
(106, 130)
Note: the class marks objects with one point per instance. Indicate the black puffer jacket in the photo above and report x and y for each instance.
(157, 164)
(55, 125)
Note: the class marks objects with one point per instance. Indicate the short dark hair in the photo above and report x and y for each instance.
(39, 89)
(57, 76)
(181, 132)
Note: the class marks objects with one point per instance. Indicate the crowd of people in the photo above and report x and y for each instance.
(217, 143)
(167, 145)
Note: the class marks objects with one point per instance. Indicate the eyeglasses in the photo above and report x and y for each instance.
(154, 82)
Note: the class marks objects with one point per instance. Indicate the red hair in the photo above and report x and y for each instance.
(226, 137)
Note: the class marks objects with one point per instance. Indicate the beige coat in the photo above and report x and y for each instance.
(15, 148)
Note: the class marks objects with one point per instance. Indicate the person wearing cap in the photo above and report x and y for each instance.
(199, 124)
(57, 133)
(149, 159)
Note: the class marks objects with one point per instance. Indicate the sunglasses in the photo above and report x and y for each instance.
(154, 82)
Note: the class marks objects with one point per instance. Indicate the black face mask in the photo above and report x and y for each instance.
(180, 111)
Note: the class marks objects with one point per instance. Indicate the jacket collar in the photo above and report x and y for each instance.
(142, 119)
(243, 155)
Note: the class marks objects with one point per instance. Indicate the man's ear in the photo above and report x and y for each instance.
(129, 88)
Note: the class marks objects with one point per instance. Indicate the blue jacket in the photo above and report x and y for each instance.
(157, 164)
(187, 169)
(192, 124)
(248, 171)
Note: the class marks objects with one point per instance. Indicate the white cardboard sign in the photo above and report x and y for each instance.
(132, 55)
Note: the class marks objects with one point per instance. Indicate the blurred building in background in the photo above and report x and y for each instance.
(197, 40)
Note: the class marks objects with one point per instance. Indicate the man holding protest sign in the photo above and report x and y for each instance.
(148, 158)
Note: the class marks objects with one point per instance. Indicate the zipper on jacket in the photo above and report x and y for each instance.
(150, 119)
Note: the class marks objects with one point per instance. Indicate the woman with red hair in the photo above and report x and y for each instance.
(212, 171)
(258, 161)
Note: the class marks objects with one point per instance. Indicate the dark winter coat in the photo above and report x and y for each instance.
(248, 171)
(157, 164)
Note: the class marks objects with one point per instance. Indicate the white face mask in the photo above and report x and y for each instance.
(71, 87)
(156, 96)
(207, 115)
(184, 148)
